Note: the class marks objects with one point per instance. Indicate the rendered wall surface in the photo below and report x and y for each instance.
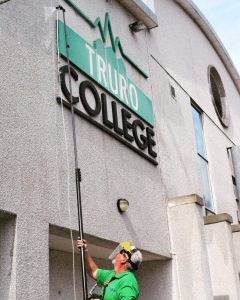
(189, 249)
(236, 243)
(178, 160)
(222, 261)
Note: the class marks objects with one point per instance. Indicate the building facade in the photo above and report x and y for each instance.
(157, 109)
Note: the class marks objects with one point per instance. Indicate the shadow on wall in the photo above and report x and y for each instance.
(61, 275)
(7, 236)
(176, 138)
(176, 141)
(133, 233)
(156, 280)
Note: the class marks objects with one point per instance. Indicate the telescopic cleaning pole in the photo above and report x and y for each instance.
(77, 169)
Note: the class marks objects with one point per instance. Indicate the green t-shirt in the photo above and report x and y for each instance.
(122, 286)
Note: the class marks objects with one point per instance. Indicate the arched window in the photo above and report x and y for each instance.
(218, 96)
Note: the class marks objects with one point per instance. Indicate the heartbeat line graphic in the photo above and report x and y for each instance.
(104, 30)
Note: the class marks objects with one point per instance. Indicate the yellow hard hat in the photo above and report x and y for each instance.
(126, 246)
(128, 249)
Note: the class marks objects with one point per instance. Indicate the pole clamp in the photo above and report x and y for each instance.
(61, 8)
(78, 175)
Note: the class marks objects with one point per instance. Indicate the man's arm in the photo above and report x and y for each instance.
(92, 268)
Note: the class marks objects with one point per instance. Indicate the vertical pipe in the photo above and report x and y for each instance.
(77, 169)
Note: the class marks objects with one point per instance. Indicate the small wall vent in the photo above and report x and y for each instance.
(172, 91)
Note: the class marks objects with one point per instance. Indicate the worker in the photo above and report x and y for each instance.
(119, 283)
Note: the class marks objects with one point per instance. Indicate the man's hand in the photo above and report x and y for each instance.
(81, 244)
(91, 266)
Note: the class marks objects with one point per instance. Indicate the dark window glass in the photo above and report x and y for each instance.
(216, 95)
(235, 188)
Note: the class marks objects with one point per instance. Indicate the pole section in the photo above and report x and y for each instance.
(77, 169)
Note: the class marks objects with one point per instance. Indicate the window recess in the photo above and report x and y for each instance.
(202, 160)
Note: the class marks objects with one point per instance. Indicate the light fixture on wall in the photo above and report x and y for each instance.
(122, 205)
(137, 26)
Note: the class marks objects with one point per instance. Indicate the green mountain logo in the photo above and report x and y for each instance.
(104, 30)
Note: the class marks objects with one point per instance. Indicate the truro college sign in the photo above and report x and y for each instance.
(101, 65)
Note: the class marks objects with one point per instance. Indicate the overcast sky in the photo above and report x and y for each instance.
(224, 16)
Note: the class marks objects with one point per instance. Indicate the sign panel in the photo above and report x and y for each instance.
(108, 111)
(101, 64)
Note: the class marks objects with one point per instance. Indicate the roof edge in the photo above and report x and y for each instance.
(194, 12)
(141, 12)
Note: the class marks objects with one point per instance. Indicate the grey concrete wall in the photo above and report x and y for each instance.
(188, 246)
(28, 159)
(32, 268)
(156, 280)
(222, 260)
